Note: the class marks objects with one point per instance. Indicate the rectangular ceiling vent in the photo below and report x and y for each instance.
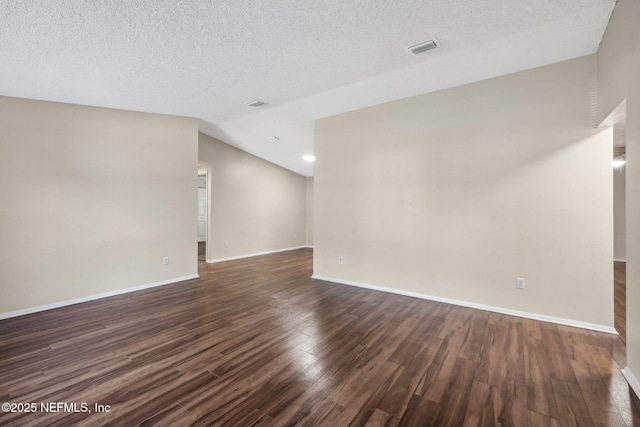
(423, 47)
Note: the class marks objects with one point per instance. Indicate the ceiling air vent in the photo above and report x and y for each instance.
(255, 103)
(422, 47)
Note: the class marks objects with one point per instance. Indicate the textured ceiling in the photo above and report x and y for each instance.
(307, 58)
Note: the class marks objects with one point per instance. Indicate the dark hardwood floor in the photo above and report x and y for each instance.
(620, 298)
(257, 342)
(202, 255)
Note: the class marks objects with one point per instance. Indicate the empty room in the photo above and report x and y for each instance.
(364, 213)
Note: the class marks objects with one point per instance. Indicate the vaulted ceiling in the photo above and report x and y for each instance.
(307, 59)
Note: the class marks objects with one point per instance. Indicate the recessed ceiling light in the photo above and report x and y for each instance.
(309, 158)
(255, 103)
(422, 47)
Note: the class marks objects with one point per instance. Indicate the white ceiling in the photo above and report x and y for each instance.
(307, 58)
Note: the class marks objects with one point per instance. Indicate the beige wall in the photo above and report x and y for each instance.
(92, 199)
(255, 206)
(618, 80)
(619, 216)
(456, 193)
(310, 211)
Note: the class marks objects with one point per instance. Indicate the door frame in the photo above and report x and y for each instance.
(204, 168)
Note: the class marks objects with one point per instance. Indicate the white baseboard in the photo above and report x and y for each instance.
(93, 297)
(212, 261)
(527, 315)
(632, 380)
(620, 260)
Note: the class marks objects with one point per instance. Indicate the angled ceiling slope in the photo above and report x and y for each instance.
(308, 59)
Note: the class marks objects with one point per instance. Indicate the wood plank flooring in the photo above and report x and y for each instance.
(202, 251)
(620, 298)
(256, 342)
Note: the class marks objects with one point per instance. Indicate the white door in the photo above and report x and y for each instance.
(202, 214)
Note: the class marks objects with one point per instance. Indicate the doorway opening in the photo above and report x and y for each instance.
(617, 121)
(619, 226)
(202, 216)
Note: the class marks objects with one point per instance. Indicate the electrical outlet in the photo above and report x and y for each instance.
(340, 260)
(519, 283)
(226, 244)
(165, 260)
(295, 236)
